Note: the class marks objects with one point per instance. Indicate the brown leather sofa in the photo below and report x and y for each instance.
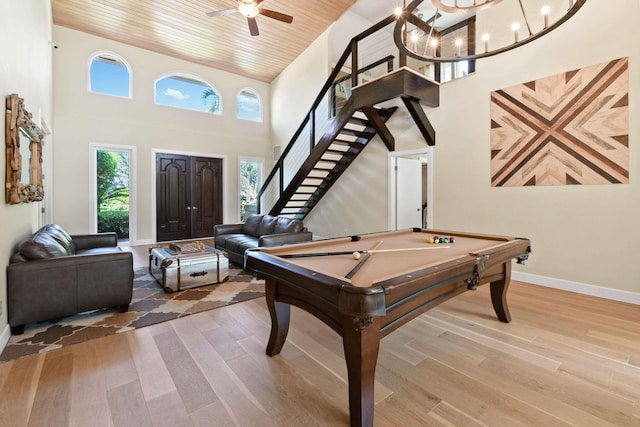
(258, 231)
(54, 275)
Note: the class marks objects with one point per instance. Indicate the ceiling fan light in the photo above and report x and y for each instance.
(249, 10)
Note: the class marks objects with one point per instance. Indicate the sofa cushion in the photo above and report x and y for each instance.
(100, 250)
(267, 225)
(222, 240)
(60, 236)
(41, 246)
(288, 225)
(251, 225)
(241, 242)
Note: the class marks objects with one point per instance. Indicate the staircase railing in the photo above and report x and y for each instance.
(319, 118)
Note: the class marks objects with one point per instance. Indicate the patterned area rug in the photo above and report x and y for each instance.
(150, 305)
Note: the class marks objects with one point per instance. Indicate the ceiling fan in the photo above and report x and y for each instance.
(251, 9)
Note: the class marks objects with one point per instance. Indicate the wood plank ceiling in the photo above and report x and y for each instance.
(180, 28)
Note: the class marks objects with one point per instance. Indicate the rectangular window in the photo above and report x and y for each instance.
(250, 180)
(112, 191)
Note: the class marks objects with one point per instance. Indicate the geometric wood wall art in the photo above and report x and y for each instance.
(571, 128)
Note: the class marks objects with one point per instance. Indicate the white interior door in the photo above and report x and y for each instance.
(408, 193)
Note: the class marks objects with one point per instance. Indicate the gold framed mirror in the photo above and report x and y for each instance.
(24, 140)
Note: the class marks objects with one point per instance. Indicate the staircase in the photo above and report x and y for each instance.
(327, 162)
(311, 164)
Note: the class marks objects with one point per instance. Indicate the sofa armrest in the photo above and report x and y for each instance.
(88, 241)
(284, 238)
(226, 229)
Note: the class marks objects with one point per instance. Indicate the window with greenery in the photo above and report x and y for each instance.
(188, 92)
(112, 185)
(249, 106)
(250, 180)
(110, 75)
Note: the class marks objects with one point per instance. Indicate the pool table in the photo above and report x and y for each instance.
(400, 278)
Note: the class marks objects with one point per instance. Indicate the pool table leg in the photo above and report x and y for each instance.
(499, 294)
(361, 345)
(280, 315)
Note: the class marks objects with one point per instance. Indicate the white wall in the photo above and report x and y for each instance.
(82, 118)
(585, 234)
(581, 235)
(295, 89)
(25, 69)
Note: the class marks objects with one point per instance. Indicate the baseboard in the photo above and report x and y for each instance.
(4, 338)
(580, 288)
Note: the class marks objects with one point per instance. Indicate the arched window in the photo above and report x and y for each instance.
(249, 106)
(109, 74)
(187, 91)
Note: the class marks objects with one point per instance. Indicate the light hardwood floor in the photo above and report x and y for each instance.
(564, 360)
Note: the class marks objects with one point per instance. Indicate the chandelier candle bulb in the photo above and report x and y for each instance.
(515, 27)
(545, 13)
(434, 45)
(485, 39)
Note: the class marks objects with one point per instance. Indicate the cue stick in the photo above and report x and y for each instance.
(364, 259)
(372, 251)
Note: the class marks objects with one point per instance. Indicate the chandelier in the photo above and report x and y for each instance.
(458, 30)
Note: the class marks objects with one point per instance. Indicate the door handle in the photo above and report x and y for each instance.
(194, 208)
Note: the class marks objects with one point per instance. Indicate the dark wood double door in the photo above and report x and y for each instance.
(188, 196)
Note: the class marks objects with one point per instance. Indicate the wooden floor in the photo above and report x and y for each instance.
(564, 360)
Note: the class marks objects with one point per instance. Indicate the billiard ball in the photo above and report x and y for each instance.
(356, 255)
(430, 240)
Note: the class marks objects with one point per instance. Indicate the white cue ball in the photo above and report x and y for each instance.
(356, 255)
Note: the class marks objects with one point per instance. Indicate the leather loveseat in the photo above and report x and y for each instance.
(53, 275)
(258, 231)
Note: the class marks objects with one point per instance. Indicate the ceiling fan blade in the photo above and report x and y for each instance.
(253, 26)
(276, 15)
(222, 12)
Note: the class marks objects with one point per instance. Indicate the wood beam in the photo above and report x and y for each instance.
(381, 128)
(421, 119)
